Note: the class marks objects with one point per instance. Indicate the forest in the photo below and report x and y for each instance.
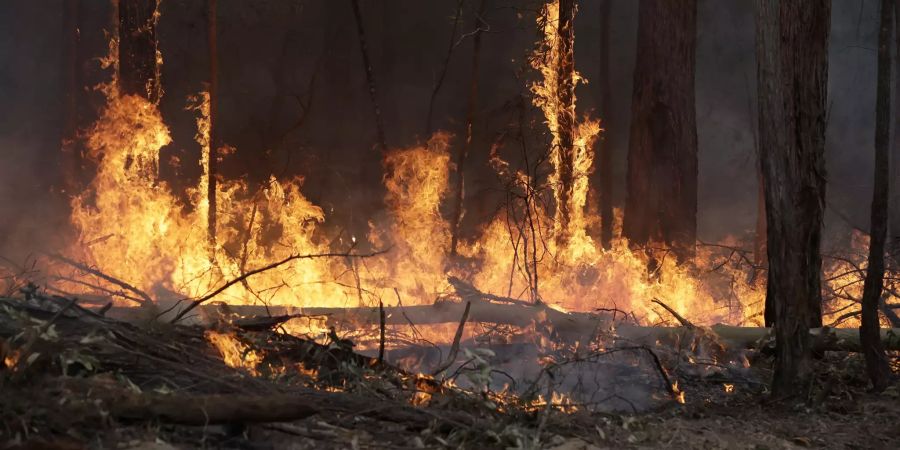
(449, 224)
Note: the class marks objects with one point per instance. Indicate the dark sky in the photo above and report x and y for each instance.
(270, 51)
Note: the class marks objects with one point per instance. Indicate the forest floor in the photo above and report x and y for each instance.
(71, 379)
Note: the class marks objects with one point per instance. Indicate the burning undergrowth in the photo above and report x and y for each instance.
(530, 316)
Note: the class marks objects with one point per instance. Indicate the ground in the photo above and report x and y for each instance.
(72, 379)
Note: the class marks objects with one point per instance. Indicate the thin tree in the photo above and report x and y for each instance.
(661, 205)
(370, 75)
(870, 330)
(792, 76)
(212, 169)
(605, 144)
(462, 156)
(565, 117)
(71, 74)
(894, 211)
(138, 68)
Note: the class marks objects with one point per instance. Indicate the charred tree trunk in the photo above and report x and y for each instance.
(565, 82)
(72, 80)
(212, 169)
(869, 333)
(662, 154)
(605, 144)
(138, 68)
(792, 57)
(370, 76)
(462, 156)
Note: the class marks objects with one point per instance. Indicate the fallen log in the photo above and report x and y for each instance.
(578, 324)
(827, 339)
(437, 313)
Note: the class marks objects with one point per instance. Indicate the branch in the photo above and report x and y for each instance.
(83, 267)
(274, 265)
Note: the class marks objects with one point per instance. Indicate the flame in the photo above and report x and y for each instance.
(234, 352)
(132, 226)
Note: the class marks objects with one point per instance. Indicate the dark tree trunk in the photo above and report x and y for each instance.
(894, 242)
(869, 333)
(565, 79)
(792, 57)
(370, 76)
(72, 82)
(212, 169)
(138, 70)
(463, 154)
(605, 144)
(662, 154)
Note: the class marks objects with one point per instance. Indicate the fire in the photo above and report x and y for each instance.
(234, 352)
(132, 226)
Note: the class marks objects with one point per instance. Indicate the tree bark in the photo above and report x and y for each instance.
(138, 68)
(894, 212)
(605, 144)
(565, 81)
(873, 350)
(463, 154)
(662, 156)
(212, 169)
(792, 72)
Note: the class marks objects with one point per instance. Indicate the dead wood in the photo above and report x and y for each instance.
(259, 270)
(454, 348)
(85, 268)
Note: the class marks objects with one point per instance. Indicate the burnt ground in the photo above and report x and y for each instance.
(72, 379)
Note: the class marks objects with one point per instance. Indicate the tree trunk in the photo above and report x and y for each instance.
(565, 93)
(212, 169)
(138, 68)
(894, 233)
(662, 154)
(605, 144)
(792, 57)
(370, 76)
(471, 108)
(873, 350)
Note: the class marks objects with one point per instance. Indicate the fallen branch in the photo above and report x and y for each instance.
(259, 270)
(684, 322)
(84, 268)
(454, 348)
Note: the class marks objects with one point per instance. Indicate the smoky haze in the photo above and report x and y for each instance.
(294, 100)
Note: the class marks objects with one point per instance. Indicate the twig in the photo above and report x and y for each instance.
(682, 320)
(274, 265)
(454, 349)
(116, 281)
(381, 336)
(26, 349)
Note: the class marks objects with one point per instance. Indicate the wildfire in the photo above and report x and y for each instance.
(132, 226)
